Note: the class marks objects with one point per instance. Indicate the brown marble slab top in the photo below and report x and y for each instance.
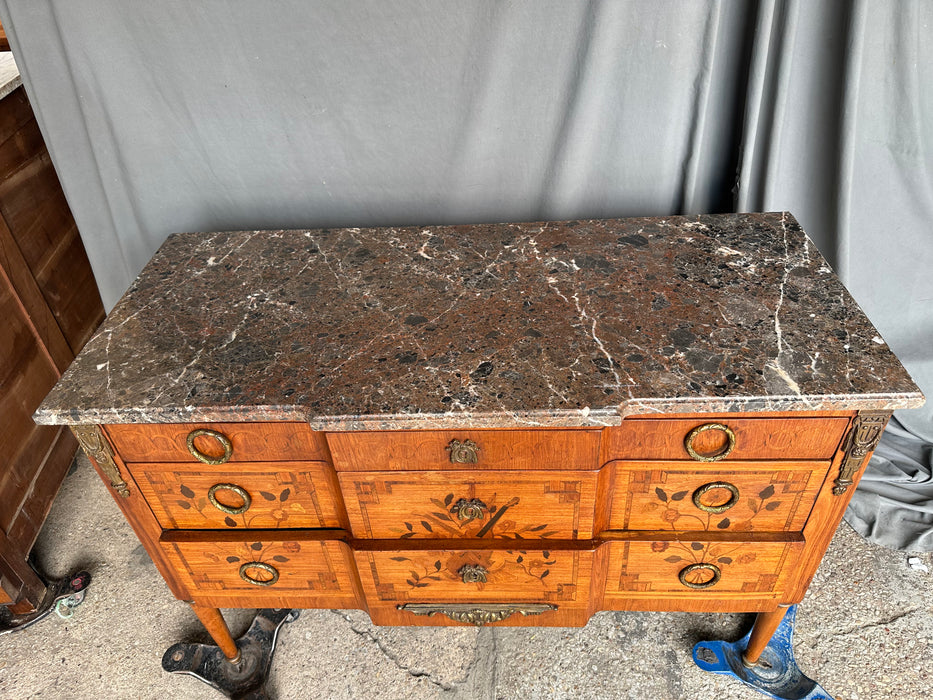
(534, 324)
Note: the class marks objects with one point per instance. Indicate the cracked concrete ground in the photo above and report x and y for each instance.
(865, 631)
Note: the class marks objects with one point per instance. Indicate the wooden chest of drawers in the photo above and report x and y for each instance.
(517, 424)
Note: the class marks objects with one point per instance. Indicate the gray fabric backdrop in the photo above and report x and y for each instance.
(175, 115)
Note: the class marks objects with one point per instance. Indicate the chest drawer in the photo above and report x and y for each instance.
(464, 504)
(243, 495)
(714, 439)
(700, 567)
(420, 450)
(263, 569)
(226, 442)
(726, 496)
(478, 575)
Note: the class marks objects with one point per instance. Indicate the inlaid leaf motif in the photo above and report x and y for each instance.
(696, 546)
(285, 494)
(547, 555)
(661, 493)
(229, 521)
(673, 559)
(409, 527)
(679, 496)
(280, 558)
(773, 505)
(725, 560)
(437, 565)
(268, 496)
(767, 491)
(753, 505)
(448, 499)
(256, 546)
(184, 504)
(519, 559)
(233, 559)
(545, 573)
(427, 526)
(186, 492)
(724, 523)
(537, 528)
(407, 535)
(442, 516)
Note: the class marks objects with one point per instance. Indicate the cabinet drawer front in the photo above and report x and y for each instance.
(253, 495)
(249, 442)
(452, 449)
(454, 504)
(754, 438)
(323, 568)
(713, 567)
(488, 575)
(725, 496)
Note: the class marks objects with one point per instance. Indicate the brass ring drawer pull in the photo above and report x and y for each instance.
(219, 437)
(473, 573)
(239, 491)
(262, 566)
(713, 580)
(721, 454)
(469, 510)
(706, 488)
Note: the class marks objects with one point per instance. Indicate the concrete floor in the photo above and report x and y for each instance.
(865, 632)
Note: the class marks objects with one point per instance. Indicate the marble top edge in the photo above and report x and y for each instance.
(492, 324)
(529, 419)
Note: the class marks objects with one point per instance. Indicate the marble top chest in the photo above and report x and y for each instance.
(502, 424)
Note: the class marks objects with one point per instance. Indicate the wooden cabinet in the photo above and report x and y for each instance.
(381, 418)
(50, 306)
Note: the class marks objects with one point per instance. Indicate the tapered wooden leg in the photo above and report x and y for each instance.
(216, 626)
(765, 625)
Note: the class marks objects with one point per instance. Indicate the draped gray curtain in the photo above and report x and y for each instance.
(170, 116)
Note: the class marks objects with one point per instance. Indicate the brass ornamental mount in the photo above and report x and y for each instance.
(262, 566)
(238, 490)
(95, 445)
(470, 510)
(477, 614)
(473, 573)
(463, 452)
(862, 439)
(687, 570)
(722, 454)
(207, 459)
(706, 488)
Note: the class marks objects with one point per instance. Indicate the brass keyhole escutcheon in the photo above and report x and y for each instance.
(704, 445)
(223, 507)
(205, 457)
(473, 573)
(700, 575)
(463, 452)
(716, 507)
(470, 510)
(268, 576)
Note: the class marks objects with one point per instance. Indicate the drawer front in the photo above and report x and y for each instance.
(753, 438)
(248, 442)
(457, 504)
(699, 567)
(494, 575)
(251, 495)
(477, 449)
(268, 567)
(725, 496)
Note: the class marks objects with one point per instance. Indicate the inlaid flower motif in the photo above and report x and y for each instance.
(659, 546)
